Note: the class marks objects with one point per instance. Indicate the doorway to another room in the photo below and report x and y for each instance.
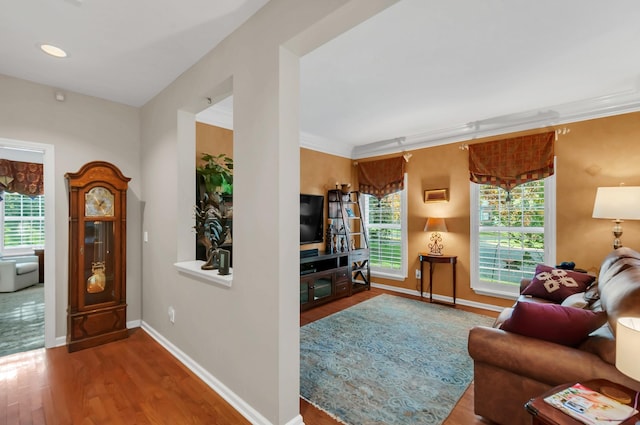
(22, 241)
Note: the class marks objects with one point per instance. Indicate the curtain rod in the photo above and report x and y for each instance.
(405, 155)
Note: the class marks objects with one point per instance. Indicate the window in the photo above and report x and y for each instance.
(510, 237)
(23, 219)
(386, 231)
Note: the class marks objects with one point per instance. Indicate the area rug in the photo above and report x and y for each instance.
(22, 320)
(389, 360)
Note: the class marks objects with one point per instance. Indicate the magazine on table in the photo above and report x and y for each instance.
(590, 407)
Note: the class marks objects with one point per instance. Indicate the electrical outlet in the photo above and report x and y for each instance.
(418, 274)
(172, 314)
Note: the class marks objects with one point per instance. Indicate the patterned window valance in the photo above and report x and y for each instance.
(24, 178)
(510, 162)
(382, 177)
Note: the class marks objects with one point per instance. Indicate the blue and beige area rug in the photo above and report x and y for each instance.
(22, 320)
(388, 360)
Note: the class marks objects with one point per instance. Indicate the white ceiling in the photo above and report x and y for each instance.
(427, 71)
(421, 72)
(126, 51)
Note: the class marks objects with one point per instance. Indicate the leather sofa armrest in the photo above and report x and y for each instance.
(542, 361)
(524, 282)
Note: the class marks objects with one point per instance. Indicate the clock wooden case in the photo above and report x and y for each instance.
(97, 311)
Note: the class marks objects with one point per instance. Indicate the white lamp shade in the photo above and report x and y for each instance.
(628, 346)
(617, 203)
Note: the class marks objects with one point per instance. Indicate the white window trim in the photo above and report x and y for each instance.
(24, 250)
(401, 274)
(500, 290)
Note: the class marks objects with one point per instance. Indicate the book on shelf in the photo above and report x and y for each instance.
(590, 407)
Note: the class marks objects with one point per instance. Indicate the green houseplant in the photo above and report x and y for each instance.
(217, 173)
(213, 216)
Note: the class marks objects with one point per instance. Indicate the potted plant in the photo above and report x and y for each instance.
(217, 173)
(215, 180)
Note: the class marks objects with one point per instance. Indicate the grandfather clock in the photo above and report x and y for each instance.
(97, 311)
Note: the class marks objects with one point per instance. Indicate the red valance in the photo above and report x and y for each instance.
(508, 163)
(24, 178)
(382, 177)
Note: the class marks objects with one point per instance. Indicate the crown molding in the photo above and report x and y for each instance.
(321, 144)
(598, 107)
(223, 117)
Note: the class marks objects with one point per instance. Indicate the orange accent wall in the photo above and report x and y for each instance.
(213, 140)
(319, 173)
(599, 152)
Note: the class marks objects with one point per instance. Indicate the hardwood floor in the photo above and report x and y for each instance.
(132, 381)
(136, 381)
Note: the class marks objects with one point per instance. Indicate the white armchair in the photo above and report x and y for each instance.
(18, 272)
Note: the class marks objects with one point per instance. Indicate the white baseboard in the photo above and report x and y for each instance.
(233, 399)
(134, 324)
(468, 303)
(229, 396)
(296, 421)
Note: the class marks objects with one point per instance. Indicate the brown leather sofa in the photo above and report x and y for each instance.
(510, 369)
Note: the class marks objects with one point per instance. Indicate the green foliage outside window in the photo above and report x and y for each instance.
(511, 234)
(23, 221)
(384, 232)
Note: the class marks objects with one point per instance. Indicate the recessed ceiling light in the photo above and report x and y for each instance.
(53, 51)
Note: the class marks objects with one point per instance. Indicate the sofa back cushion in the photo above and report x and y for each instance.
(619, 285)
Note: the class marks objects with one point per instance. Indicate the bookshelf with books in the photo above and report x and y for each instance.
(347, 233)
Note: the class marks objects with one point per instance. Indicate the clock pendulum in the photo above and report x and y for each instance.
(97, 280)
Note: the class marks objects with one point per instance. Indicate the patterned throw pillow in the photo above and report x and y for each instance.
(557, 284)
(554, 323)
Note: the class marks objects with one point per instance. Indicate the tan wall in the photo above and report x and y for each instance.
(213, 140)
(600, 152)
(319, 173)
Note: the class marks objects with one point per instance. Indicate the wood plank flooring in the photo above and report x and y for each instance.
(133, 381)
(136, 381)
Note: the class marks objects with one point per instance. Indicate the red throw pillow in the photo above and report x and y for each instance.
(557, 284)
(553, 322)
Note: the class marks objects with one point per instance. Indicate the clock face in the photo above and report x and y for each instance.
(98, 202)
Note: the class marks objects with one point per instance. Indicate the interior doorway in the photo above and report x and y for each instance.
(32, 304)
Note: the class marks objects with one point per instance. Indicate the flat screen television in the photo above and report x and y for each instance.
(311, 218)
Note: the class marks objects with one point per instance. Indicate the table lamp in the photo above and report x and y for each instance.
(435, 225)
(628, 348)
(617, 203)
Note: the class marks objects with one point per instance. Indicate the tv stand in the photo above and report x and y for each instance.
(343, 269)
(327, 276)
